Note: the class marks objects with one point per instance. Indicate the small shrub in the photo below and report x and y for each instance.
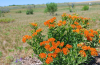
(5, 10)
(30, 11)
(51, 8)
(19, 11)
(86, 7)
(6, 20)
(1, 14)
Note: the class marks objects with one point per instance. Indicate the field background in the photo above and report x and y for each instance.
(11, 34)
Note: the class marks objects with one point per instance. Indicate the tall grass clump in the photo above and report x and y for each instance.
(85, 7)
(6, 20)
(51, 8)
(19, 11)
(29, 11)
(69, 42)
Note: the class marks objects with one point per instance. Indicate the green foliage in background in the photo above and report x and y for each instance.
(19, 11)
(51, 8)
(30, 11)
(86, 7)
(6, 20)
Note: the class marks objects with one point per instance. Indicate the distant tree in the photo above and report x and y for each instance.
(51, 8)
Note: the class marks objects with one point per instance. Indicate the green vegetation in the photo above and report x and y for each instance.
(86, 7)
(30, 11)
(0, 54)
(19, 11)
(51, 8)
(6, 20)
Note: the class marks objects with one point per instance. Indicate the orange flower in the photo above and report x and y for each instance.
(39, 30)
(51, 48)
(58, 43)
(95, 32)
(77, 30)
(59, 24)
(57, 50)
(89, 38)
(79, 45)
(91, 34)
(82, 52)
(34, 24)
(60, 21)
(79, 27)
(93, 49)
(76, 23)
(94, 53)
(51, 39)
(73, 26)
(42, 43)
(47, 47)
(24, 39)
(85, 47)
(99, 41)
(74, 30)
(86, 32)
(87, 23)
(54, 55)
(91, 30)
(69, 46)
(42, 55)
(49, 54)
(49, 60)
(30, 37)
(62, 44)
(65, 51)
(64, 22)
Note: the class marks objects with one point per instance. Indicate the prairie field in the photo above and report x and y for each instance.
(11, 33)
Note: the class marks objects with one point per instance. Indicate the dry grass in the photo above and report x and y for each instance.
(12, 33)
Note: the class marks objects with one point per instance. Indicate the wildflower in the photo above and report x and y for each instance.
(93, 49)
(87, 23)
(58, 43)
(91, 34)
(42, 55)
(49, 60)
(74, 30)
(89, 38)
(64, 22)
(82, 52)
(39, 30)
(42, 43)
(77, 30)
(73, 26)
(54, 55)
(47, 47)
(94, 53)
(69, 46)
(91, 30)
(24, 39)
(34, 24)
(57, 50)
(85, 47)
(99, 41)
(95, 32)
(62, 44)
(49, 54)
(59, 24)
(76, 23)
(51, 39)
(51, 48)
(65, 51)
(78, 27)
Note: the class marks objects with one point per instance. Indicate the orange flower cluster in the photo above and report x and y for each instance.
(34, 24)
(76, 18)
(26, 37)
(37, 31)
(55, 48)
(60, 23)
(90, 33)
(50, 23)
(84, 48)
